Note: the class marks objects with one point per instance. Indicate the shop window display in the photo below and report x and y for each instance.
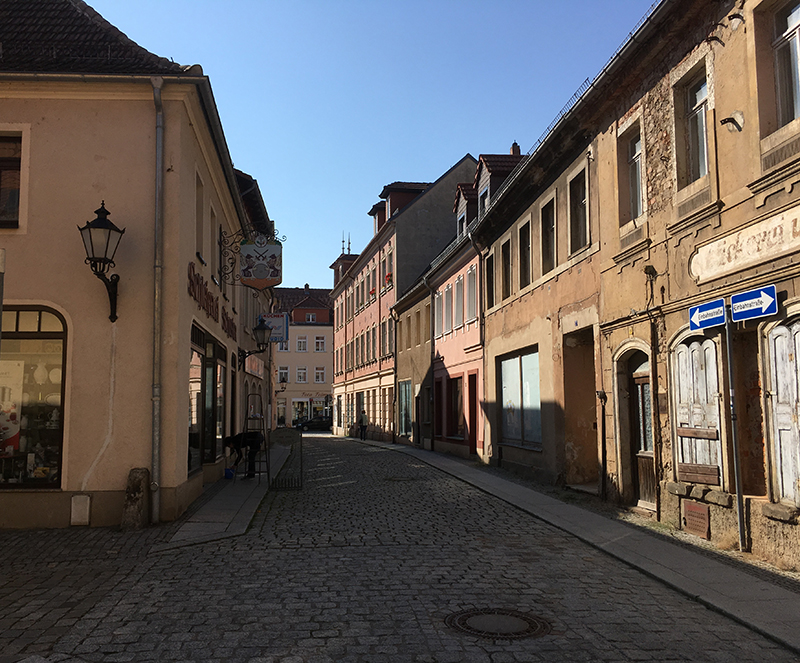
(31, 398)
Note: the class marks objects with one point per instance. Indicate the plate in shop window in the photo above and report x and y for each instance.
(53, 399)
(55, 376)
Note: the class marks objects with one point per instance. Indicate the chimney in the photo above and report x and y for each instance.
(515, 149)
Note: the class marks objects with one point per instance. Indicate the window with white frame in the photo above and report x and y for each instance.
(311, 317)
(302, 344)
(283, 346)
(319, 344)
(458, 303)
(302, 374)
(319, 374)
(283, 374)
(787, 58)
(630, 170)
(448, 309)
(390, 334)
(374, 341)
(472, 294)
(697, 145)
(578, 218)
(438, 310)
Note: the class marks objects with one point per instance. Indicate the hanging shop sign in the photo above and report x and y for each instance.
(260, 263)
(279, 324)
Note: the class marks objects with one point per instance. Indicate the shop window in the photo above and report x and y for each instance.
(10, 158)
(31, 398)
(404, 404)
(455, 409)
(522, 409)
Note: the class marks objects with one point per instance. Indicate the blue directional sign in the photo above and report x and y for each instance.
(754, 303)
(709, 314)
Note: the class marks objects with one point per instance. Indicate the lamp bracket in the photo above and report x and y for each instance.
(111, 287)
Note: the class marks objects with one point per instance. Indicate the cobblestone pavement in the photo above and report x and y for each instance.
(363, 565)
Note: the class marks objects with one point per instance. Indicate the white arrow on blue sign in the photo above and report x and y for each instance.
(709, 314)
(754, 303)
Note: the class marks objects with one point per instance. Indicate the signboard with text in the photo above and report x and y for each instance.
(754, 303)
(706, 315)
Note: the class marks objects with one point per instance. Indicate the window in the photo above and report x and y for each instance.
(697, 152)
(311, 317)
(787, 56)
(462, 224)
(199, 215)
(635, 175)
(32, 381)
(384, 345)
(374, 344)
(455, 412)
(417, 327)
(405, 405)
(549, 236)
(302, 344)
(524, 255)
(578, 226)
(10, 155)
(490, 281)
(302, 374)
(319, 374)
(408, 332)
(448, 309)
(283, 346)
(505, 267)
(390, 334)
(283, 374)
(458, 304)
(319, 344)
(522, 409)
(472, 294)
(438, 310)
(483, 202)
(427, 336)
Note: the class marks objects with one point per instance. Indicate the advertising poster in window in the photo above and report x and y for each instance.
(11, 375)
(260, 263)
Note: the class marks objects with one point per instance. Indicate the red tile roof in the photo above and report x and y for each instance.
(68, 36)
(288, 299)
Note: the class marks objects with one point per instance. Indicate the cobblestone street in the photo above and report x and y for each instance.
(363, 565)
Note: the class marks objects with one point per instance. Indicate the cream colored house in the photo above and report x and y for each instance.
(91, 121)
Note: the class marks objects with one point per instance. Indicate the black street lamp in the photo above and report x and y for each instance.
(261, 332)
(101, 239)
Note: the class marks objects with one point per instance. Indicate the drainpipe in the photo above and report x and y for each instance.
(395, 413)
(479, 311)
(432, 326)
(155, 474)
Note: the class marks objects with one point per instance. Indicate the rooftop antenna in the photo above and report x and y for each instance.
(348, 242)
(342, 241)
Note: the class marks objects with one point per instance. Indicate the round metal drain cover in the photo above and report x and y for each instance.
(497, 624)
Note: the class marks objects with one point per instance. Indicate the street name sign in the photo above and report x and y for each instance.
(754, 303)
(709, 314)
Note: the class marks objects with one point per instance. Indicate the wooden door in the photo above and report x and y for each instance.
(784, 344)
(643, 460)
(697, 397)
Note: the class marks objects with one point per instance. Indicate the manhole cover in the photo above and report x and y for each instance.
(498, 624)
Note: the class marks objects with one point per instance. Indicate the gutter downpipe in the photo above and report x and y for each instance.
(155, 473)
(395, 411)
(479, 303)
(432, 405)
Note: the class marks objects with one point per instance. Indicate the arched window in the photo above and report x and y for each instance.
(32, 355)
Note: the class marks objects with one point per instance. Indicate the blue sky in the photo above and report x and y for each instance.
(324, 102)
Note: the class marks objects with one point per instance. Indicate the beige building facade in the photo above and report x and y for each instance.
(159, 387)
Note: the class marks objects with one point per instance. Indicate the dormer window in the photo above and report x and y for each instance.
(462, 224)
(483, 202)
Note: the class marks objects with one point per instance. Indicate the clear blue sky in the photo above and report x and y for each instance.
(326, 101)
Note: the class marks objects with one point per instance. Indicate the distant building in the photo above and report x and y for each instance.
(302, 367)
(412, 224)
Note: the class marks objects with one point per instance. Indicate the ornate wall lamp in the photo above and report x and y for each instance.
(282, 383)
(101, 239)
(261, 332)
